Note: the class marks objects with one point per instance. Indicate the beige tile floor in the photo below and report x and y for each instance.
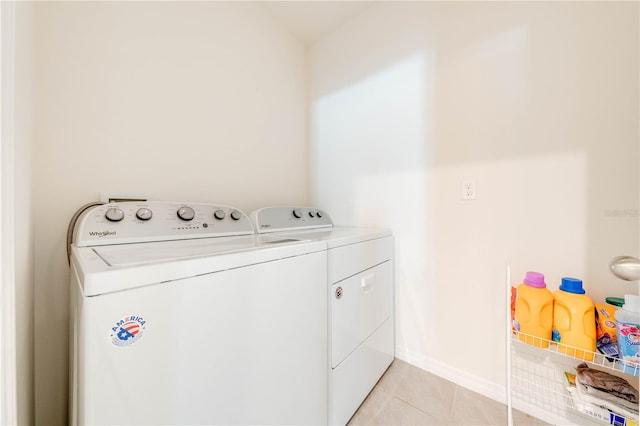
(407, 395)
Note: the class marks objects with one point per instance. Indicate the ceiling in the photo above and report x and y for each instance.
(310, 20)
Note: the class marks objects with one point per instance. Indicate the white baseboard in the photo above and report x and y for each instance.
(460, 377)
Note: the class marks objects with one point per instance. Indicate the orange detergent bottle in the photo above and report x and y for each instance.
(534, 311)
(574, 322)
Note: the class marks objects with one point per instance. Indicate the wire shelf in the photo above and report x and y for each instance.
(541, 377)
(573, 353)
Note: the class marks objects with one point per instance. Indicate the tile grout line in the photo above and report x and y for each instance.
(453, 404)
(393, 395)
(411, 405)
(399, 398)
(391, 392)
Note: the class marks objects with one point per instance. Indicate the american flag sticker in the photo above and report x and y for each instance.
(127, 330)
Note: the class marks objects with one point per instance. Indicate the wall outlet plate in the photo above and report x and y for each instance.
(468, 190)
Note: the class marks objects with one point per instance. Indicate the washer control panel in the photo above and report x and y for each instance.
(132, 222)
(272, 219)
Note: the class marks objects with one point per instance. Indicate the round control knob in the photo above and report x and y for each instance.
(297, 213)
(236, 215)
(311, 213)
(219, 214)
(144, 214)
(319, 213)
(186, 213)
(114, 214)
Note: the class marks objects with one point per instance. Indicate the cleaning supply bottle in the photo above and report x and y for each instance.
(574, 322)
(628, 333)
(534, 310)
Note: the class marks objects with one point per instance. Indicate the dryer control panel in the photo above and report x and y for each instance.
(272, 219)
(135, 222)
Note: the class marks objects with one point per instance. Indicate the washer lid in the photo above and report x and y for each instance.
(137, 254)
(108, 269)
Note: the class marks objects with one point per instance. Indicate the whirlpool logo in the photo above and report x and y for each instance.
(101, 234)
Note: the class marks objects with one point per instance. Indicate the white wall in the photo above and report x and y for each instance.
(24, 133)
(193, 101)
(535, 101)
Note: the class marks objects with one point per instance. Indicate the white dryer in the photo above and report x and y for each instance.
(182, 315)
(360, 294)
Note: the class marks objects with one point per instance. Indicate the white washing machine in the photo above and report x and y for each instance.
(182, 315)
(360, 295)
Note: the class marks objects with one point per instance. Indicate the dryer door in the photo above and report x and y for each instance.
(359, 305)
